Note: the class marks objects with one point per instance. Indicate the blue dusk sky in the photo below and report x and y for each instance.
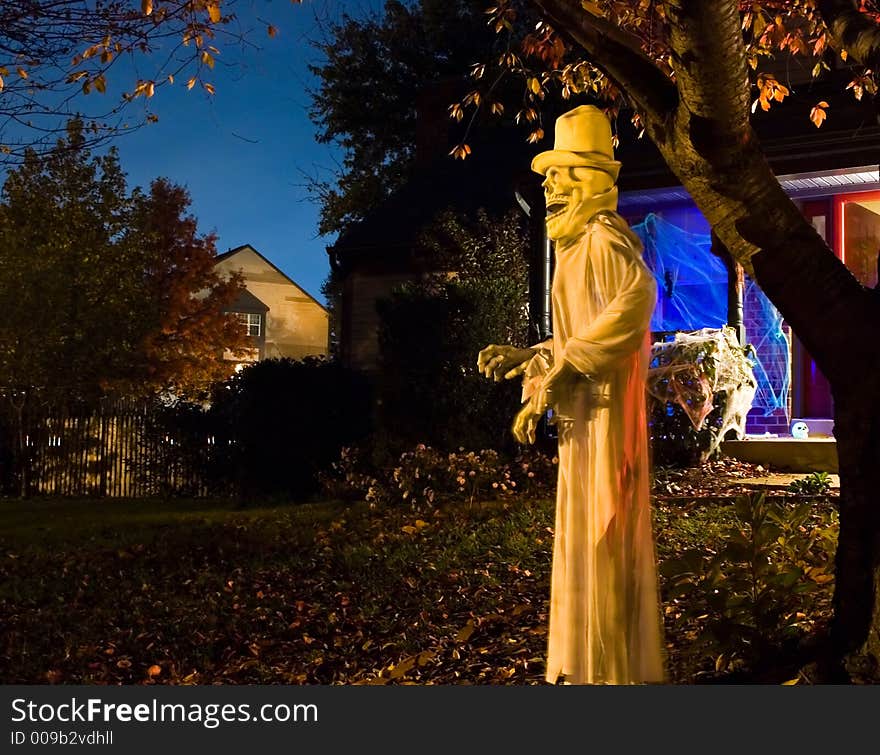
(245, 154)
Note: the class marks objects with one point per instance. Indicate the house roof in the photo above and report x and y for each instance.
(247, 302)
(849, 138)
(247, 247)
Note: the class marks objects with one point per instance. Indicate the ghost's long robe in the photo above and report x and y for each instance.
(605, 621)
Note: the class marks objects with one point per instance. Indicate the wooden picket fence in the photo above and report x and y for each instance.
(115, 449)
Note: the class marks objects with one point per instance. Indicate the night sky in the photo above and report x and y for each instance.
(245, 153)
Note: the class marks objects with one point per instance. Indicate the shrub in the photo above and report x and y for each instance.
(174, 454)
(816, 484)
(762, 591)
(423, 476)
(281, 421)
(347, 480)
(432, 330)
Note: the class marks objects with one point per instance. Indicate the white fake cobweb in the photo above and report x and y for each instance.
(694, 369)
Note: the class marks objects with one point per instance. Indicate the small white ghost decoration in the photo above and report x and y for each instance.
(800, 430)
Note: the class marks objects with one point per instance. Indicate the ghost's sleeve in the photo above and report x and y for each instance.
(628, 286)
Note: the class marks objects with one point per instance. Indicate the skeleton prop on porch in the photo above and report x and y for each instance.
(605, 621)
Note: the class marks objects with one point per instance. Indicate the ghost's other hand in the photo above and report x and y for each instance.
(525, 423)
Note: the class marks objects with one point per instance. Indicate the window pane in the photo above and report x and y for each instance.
(251, 322)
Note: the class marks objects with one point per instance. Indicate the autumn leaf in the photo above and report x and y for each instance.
(769, 90)
(271, 30)
(402, 668)
(147, 7)
(214, 12)
(154, 670)
(464, 634)
(818, 114)
(862, 84)
(536, 136)
(461, 151)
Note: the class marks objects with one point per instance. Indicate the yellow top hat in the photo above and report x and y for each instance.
(583, 139)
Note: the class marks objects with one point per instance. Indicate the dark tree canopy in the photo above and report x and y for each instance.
(377, 74)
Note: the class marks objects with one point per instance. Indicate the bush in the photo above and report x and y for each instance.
(816, 484)
(762, 591)
(281, 421)
(175, 456)
(432, 330)
(423, 476)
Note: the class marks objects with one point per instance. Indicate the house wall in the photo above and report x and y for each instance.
(360, 327)
(296, 325)
(775, 361)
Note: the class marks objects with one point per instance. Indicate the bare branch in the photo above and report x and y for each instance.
(57, 57)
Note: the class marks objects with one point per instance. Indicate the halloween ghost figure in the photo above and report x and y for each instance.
(605, 621)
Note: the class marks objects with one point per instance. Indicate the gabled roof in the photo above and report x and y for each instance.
(248, 247)
(247, 302)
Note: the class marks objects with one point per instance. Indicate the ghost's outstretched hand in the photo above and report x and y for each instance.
(502, 362)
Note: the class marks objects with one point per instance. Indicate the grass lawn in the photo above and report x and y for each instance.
(202, 592)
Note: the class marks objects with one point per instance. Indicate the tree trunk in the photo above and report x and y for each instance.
(855, 631)
(837, 320)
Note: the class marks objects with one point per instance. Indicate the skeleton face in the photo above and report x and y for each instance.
(800, 430)
(568, 193)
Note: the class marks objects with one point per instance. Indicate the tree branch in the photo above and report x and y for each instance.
(617, 54)
(855, 32)
(709, 59)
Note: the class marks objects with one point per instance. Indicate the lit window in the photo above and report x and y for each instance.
(251, 323)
